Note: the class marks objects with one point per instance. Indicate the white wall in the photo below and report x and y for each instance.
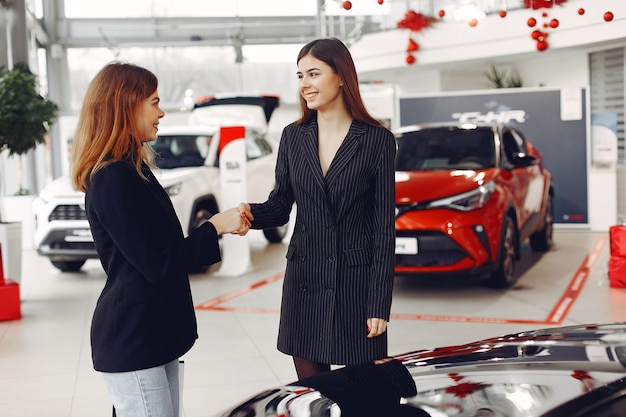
(461, 54)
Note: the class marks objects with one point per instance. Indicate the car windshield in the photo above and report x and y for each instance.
(176, 151)
(445, 148)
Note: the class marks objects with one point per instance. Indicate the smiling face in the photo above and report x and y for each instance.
(148, 115)
(319, 85)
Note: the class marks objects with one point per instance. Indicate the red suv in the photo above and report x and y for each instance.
(467, 196)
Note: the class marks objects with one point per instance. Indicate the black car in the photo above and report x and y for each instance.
(575, 371)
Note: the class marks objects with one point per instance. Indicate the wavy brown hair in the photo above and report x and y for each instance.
(107, 125)
(336, 55)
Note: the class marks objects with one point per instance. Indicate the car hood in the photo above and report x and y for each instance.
(60, 187)
(168, 177)
(421, 186)
(517, 375)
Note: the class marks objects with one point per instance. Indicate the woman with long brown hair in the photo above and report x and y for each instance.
(144, 320)
(336, 163)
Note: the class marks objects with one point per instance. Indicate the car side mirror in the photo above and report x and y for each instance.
(522, 160)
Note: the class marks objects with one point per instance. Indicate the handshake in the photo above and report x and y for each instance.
(236, 220)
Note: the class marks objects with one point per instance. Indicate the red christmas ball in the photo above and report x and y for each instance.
(346, 5)
(581, 11)
(381, 1)
(472, 22)
(502, 13)
(544, 14)
(532, 22)
(554, 23)
(608, 16)
(542, 45)
(441, 13)
(536, 34)
(410, 59)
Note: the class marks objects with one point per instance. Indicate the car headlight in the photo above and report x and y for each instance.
(471, 200)
(173, 189)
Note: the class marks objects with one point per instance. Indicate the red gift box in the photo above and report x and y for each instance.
(617, 237)
(10, 300)
(617, 272)
(10, 308)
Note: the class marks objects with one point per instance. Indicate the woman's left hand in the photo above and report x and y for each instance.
(376, 327)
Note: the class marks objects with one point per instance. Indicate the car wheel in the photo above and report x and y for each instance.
(199, 218)
(69, 266)
(503, 276)
(541, 240)
(276, 234)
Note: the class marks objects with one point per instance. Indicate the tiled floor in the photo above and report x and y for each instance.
(45, 366)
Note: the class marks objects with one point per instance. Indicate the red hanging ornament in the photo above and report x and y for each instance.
(441, 13)
(608, 16)
(502, 13)
(542, 4)
(381, 1)
(415, 21)
(472, 22)
(346, 5)
(581, 11)
(538, 35)
(531, 22)
(542, 45)
(554, 23)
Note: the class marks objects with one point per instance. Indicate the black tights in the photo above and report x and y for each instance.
(306, 368)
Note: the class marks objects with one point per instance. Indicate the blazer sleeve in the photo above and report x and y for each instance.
(276, 210)
(381, 280)
(134, 225)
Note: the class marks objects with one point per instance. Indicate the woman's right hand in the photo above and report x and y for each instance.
(244, 210)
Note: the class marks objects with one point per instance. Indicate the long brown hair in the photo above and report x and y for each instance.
(336, 55)
(107, 125)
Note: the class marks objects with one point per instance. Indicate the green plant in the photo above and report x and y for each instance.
(499, 78)
(25, 116)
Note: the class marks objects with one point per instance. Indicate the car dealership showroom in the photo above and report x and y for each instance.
(510, 207)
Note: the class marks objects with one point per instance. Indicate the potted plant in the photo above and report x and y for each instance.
(25, 118)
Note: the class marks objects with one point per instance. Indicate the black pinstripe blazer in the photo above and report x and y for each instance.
(340, 257)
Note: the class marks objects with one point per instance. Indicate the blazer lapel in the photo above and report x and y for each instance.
(311, 153)
(345, 153)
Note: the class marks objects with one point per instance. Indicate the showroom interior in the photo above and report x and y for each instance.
(209, 47)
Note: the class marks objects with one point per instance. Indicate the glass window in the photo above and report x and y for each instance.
(188, 8)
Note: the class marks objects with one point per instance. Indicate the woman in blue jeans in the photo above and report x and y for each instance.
(144, 320)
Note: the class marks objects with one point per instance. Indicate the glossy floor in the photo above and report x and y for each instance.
(45, 365)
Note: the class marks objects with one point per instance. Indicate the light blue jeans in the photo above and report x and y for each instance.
(152, 392)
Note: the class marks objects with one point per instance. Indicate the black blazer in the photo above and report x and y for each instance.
(144, 316)
(341, 255)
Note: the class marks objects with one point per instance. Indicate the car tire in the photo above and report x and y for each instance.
(276, 234)
(504, 274)
(541, 241)
(69, 266)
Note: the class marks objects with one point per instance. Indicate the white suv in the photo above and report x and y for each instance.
(188, 170)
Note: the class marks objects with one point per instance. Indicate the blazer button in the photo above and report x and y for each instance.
(331, 258)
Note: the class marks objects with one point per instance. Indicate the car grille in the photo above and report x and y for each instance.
(435, 249)
(68, 212)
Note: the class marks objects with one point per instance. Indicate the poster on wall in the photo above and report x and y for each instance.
(554, 120)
